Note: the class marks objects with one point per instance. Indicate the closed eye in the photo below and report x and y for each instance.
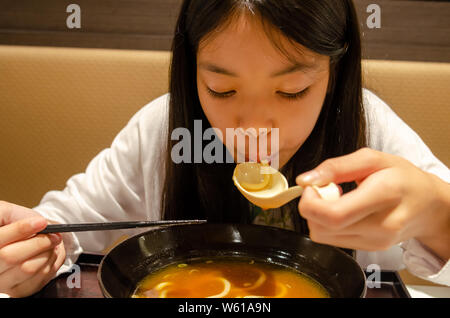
(221, 94)
(293, 96)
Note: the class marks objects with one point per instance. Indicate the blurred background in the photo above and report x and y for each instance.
(410, 30)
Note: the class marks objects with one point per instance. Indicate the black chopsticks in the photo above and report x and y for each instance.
(83, 227)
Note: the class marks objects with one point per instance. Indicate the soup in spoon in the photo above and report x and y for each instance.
(254, 176)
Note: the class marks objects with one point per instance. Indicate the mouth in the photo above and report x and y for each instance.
(254, 158)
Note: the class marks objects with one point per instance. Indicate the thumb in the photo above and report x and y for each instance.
(353, 167)
(10, 213)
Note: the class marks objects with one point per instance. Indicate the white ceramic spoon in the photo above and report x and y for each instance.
(277, 191)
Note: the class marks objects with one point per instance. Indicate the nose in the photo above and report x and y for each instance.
(255, 124)
(255, 118)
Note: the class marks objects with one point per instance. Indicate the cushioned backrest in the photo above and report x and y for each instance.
(60, 106)
(420, 94)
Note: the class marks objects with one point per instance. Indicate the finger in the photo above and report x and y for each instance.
(354, 242)
(384, 229)
(350, 208)
(36, 282)
(16, 253)
(353, 167)
(378, 231)
(10, 213)
(61, 252)
(21, 229)
(26, 270)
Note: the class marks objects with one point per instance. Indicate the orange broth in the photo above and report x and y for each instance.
(218, 278)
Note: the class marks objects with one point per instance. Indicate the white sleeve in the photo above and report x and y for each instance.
(389, 134)
(111, 189)
(423, 263)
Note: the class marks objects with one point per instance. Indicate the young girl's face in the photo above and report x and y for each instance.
(244, 81)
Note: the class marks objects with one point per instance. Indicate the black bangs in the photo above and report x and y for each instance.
(299, 24)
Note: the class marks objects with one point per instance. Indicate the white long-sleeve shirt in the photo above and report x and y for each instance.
(125, 182)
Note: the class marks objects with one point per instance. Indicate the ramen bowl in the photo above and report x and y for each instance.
(124, 267)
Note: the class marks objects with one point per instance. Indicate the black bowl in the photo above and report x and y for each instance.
(129, 262)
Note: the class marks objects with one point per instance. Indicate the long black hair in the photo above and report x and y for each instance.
(327, 27)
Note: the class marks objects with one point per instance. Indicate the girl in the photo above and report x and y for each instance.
(288, 64)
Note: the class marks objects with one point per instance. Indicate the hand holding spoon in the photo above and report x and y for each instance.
(267, 188)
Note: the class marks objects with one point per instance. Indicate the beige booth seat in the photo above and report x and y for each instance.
(60, 106)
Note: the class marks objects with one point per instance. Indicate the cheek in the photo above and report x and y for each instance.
(218, 115)
(298, 122)
(215, 114)
(294, 133)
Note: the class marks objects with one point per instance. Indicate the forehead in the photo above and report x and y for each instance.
(247, 38)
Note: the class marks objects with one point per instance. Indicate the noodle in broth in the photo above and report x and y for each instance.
(219, 278)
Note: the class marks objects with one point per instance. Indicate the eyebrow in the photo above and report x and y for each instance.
(297, 67)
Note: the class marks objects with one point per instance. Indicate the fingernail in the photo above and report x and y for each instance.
(330, 192)
(37, 223)
(308, 192)
(312, 177)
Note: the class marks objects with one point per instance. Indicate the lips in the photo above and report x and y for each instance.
(250, 147)
(254, 154)
(268, 157)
